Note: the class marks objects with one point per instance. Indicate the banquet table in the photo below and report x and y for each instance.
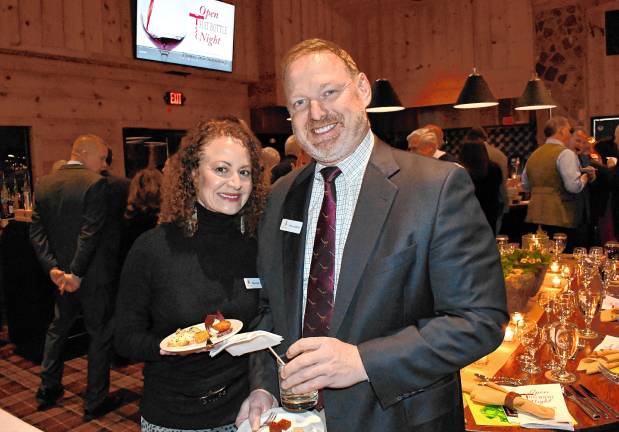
(503, 362)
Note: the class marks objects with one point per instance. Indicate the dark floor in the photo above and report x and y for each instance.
(19, 380)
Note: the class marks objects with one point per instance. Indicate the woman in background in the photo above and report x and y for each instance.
(142, 206)
(193, 264)
(486, 176)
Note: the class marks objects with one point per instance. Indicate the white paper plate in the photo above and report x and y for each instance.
(236, 327)
(310, 421)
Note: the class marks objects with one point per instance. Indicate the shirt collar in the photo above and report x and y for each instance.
(356, 162)
(438, 153)
(554, 141)
(74, 162)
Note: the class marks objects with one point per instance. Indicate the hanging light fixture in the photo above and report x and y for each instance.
(475, 93)
(384, 98)
(535, 96)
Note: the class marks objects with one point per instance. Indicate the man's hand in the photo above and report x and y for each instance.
(256, 403)
(71, 283)
(320, 362)
(57, 276)
(590, 171)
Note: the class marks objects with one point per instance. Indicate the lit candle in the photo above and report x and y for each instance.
(509, 334)
(566, 271)
(556, 282)
(517, 316)
(554, 267)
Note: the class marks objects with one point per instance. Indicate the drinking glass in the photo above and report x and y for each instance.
(563, 305)
(612, 250)
(609, 271)
(531, 338)
(579, 253)
(512, 247)
(564, 341)
(567, 274)
(587, 271)
(596, 253)
(296, 402)
(588, 303)
(544, 300)
(562, 240)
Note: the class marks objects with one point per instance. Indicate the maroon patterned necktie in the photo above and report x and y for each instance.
(319, 306)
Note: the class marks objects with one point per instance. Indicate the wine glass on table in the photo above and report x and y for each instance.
(563, 305)
(568, 274)
(564, 341)
(589, 301)
(531, 337)
(609, 272)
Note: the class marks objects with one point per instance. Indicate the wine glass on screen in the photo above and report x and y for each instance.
(564, 340)
(165, 23)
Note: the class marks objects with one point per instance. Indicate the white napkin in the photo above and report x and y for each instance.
(610, 303)
(609, 342)
(548, 395)
(244, 343)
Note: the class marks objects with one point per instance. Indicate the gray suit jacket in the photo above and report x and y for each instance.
(68, 216)
(420, 290)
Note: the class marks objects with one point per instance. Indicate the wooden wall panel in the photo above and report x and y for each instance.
(67, 68)
(438, 40)
(602, 71)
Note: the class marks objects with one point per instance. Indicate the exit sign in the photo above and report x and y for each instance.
(174, 98)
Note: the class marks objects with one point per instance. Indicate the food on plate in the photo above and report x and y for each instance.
(222, 326)
(187, 336)
(201, 336)
(217, 324)
(280, 425)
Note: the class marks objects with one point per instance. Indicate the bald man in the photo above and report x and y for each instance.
(426, 142)
(269, 158)
(67, 221)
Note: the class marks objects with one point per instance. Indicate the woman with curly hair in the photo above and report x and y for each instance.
(193, 264)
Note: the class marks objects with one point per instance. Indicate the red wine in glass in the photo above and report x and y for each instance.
(165, 43)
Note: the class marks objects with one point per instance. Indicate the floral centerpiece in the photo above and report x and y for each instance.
(524, 272)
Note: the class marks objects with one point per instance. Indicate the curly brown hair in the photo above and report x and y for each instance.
(179, 194)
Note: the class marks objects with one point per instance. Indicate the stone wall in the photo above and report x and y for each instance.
(560, 46)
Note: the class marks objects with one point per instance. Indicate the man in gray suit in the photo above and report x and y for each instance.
(378, 267)
(67, 223)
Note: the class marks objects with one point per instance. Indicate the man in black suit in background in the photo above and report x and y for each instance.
(67, 222)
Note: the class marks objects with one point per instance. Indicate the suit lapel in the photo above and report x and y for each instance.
(293, 248)
(375, 199)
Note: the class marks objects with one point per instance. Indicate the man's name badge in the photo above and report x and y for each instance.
(252, 283)
(291, 226)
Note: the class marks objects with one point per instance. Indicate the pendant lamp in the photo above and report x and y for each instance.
(384, 98)
(535, 96)
(475, 93)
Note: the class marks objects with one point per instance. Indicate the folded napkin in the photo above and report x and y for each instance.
(607, 357)
(609, 315)
(244, 343)
(610, 302)
(493, 394)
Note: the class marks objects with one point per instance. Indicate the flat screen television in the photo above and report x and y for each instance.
(197, 33)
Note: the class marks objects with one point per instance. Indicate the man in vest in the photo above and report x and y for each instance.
(556, 180)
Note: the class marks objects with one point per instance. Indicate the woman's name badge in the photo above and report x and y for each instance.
(291, 226)
(252, 283)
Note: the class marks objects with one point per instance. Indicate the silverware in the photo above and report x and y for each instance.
(588, 401)
(571, 396)
(268, 420)
(610, 409)
(514, 382)
(608, 374)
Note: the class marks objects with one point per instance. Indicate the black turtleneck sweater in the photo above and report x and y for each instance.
(168, 282)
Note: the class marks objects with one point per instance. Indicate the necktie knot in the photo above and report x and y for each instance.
(330, 173)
